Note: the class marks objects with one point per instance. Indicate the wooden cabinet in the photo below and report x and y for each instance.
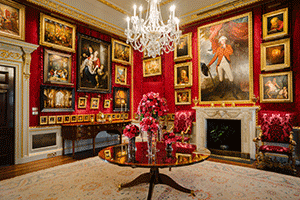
(82, 131)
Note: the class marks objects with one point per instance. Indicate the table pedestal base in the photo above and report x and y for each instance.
(154, 177)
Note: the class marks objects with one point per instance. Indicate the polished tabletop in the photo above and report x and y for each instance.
(118, 154)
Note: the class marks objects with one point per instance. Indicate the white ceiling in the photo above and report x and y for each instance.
(110, 15)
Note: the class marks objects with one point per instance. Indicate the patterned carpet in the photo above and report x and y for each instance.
(93, 178)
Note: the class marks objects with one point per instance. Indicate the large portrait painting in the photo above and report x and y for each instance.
(152, 67)
(56, 33)
(225, 60)
(275, 55)
(12, 21)
(276, 87)
(57, 99)
(183, 75)
(183, 50)
(121, 99)
(275, 24)
(121, 52)
(57, 67)
(94, 67)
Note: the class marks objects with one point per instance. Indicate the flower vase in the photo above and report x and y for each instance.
(169, 150)
(151, 142)
(131, 150)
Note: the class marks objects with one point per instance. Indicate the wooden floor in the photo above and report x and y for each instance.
(7, 172)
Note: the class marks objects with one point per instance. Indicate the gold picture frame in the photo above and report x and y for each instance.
(183, 97)
(94, 104)
(17, 10)
(126, 115)
(86, 118)
(52, 120)
(152, 67)
(120, 75)
(81, 102)
(73, 118)
(275, 55)
(80, 118)
(59, 119)
(57, 34)
(67, 119)
(92, 117)
(276, 87)
(106, 103)
(43, 120)
(183, 75)
(118, 116)
(183, 50)
(275, 24)
(121, 52)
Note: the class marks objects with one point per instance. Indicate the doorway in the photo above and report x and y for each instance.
(7, 112)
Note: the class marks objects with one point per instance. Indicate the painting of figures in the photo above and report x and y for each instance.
(225, 60)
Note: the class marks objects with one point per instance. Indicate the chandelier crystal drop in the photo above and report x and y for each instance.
(151, 35)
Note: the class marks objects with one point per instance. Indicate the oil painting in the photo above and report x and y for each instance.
(183, 50)
(152, 67)
(183, 75)
(225, 60)
(120, 75)
(275, 24)
(183, 97)
(121, 52)
(94, 67)
(121, 98)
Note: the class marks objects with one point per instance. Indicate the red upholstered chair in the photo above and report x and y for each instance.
(183, 123)
(276, 138)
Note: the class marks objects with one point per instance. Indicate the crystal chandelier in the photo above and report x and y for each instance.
(152, 35)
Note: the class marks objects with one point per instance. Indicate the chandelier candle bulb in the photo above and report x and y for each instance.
(141, 9)
(134, 10)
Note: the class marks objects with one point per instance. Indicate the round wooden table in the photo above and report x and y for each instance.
(118, 155)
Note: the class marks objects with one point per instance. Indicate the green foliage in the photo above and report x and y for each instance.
(220, 132)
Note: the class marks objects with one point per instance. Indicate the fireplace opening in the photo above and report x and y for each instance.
(224, 136)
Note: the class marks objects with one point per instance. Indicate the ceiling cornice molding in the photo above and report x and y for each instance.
(78, 15)
(216, 11)
(114, 7)
(166, 2)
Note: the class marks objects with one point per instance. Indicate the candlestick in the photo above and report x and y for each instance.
(134, 10)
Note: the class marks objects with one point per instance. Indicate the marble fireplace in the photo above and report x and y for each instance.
(247, 116)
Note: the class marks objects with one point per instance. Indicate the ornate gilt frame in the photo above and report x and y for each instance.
(263, 56)
(43, 120)
(97, 104)
(265, 17)
(188, 37)
(21, 17)
(44, 17)
(188, 102)
(189, 65)
(158, 60)
(117, 67)
(289, 83)
(53, 121)
(80, 99)
(114, 42)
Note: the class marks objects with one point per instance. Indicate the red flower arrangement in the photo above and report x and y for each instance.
(131, 131)
(149, 124)
(169, 137)
(152, 105)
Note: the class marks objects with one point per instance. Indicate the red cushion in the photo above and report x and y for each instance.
(184, 147)
(275, 149)
(183, 119)
(179, 138)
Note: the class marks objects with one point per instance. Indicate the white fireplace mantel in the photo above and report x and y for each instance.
(247, 115)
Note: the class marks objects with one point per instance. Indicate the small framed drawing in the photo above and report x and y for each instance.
(183, 75)
(57, 34)
(43, 120)
(121, 98)
(57, 99)
(120, 75)
(73, 118)
(12, 20)
(92, 117)
(275, 55)
(94, 103)
(52, 119)
(118, 116)
(59, 119)
(275, 24)
(57, 68)
(276, 87)
(121, 52)
(183, 50)
(183, 97)
(106, 103)
(113, 116)
(126, 115)
(152, 67)
(86, 118)
(80, 118)
(81, 102)
(67, 119)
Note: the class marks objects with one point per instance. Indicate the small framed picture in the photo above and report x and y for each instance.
(276, 87)
(121, 52)
(81, 102)
(59, 119)
(73, 118)
(86, 118)
(120, 75)
(94, 103)
(107, 154)
(67, 119)
(113, 116)
(152, 67)
(52, 120)
(126, 115)
(183, 75)
(106, 103)
(275, 24)
(80, 118)
(108, 117)
(121, 99)
(92, 117)
(183, 50)
(275, 55)
(183, 97)
(43, 120)
(118, 116)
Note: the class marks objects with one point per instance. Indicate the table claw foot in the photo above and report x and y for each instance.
(193, 193)
(120, 187)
